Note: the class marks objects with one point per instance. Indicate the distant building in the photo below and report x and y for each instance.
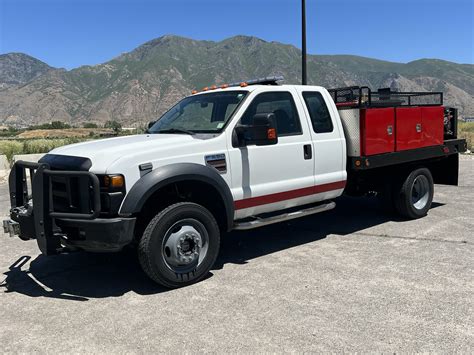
(469, 119)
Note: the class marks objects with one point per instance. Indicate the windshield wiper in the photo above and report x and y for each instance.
(176, 130)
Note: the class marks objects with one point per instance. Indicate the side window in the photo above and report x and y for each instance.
(318, 111)
(281, 104)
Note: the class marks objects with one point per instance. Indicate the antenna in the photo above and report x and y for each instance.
(303, 43)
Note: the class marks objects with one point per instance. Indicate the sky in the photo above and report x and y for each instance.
(70, 33)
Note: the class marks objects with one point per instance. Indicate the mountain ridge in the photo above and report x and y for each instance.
(137, 86)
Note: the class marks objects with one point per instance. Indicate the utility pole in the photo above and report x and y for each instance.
(303, 42)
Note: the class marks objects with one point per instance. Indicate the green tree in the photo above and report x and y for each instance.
(89, 125)
(59, 125)
(114, 125)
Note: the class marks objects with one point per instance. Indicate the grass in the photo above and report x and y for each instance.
(466, 131)
(33, 146)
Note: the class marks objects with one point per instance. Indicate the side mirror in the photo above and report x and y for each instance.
(151, 123)
(262, 131)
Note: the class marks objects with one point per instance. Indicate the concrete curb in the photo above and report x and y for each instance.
(27, 157)
(4, 167)
(5, 164)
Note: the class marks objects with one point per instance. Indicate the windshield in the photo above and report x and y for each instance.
(207, 113)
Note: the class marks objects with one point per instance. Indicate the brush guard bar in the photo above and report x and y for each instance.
(37, 211)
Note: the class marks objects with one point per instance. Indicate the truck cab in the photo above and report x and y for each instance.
(240, 156)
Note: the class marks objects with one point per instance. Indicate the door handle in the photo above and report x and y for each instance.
(308, 152)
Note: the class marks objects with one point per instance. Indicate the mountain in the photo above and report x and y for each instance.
(138, 86)
(19, 68)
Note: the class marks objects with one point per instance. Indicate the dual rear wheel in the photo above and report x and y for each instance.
(411, 196)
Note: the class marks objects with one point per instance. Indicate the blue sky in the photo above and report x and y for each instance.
(70, 33)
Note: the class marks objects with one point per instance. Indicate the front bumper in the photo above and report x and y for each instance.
(35, 215)
(96, 235)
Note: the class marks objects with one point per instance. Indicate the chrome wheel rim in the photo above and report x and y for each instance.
(185, 246)
(420, 192)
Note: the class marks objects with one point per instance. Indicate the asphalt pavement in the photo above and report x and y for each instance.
(351, 279)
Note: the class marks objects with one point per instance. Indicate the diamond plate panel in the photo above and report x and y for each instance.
(351, 123)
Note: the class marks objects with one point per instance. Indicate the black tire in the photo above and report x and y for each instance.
(413, 197)
(161, 264)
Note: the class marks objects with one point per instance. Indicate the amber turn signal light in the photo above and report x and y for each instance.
(114, 181)
(271, 133)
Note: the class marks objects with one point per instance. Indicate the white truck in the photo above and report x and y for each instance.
(236, 157)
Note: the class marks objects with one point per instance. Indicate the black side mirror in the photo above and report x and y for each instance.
(262, 131)
(151, 123)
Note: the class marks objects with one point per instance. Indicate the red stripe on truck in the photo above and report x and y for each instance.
(288, 195)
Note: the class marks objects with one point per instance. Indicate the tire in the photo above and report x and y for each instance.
(179, 245)
(413, 197)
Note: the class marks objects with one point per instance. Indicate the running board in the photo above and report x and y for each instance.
(260, 222)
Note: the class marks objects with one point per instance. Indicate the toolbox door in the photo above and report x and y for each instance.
(378, 130)
(432, 119)
(408, 128)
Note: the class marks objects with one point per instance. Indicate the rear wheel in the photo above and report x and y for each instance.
(414, 196)
(179, 245)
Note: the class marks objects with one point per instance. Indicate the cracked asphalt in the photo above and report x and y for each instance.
(348, 280)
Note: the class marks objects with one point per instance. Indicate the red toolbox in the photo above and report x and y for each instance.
(389, 121)
(418, 127)
(377, 130)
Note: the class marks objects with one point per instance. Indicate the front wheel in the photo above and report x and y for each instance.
(414, 197)
(179, 245)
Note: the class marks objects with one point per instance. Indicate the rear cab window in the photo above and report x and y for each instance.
(318, 111)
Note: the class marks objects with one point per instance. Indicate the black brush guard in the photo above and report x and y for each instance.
(36, 213)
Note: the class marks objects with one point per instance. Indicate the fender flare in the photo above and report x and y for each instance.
(144, 188)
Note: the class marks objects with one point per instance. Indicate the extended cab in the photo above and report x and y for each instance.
(237, 157)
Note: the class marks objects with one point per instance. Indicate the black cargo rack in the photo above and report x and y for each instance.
(363, 97)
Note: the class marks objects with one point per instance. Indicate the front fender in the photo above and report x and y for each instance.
(162, 176)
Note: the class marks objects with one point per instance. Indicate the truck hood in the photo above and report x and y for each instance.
(105, 152)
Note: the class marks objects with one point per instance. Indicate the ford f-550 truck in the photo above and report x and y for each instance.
(234, 157)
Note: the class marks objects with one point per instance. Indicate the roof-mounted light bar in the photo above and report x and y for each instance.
(268, 80)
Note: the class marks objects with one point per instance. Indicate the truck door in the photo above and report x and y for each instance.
(328, 141)
(273, 177)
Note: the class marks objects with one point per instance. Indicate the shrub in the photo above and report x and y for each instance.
(89, 125)
(466, 131)
(10, 148)
(114, 125)
(36, 146)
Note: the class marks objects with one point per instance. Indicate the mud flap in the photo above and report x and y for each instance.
(446, 171)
